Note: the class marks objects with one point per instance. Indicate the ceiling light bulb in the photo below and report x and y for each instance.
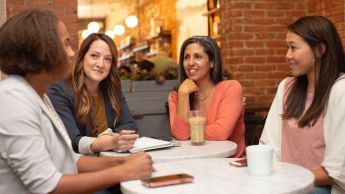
(131, 21)
(119, 30)
(85, 33)
(93, 27)
(110, 33)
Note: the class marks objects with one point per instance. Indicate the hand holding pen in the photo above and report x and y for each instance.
(126, 139)
(107, 140)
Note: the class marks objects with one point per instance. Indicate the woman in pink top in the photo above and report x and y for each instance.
(306, 122)
(202, 88)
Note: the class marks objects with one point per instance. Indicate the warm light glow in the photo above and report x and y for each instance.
(93, 27)
(110, 33)
(85, 33)
(131, 21)
(119, 30)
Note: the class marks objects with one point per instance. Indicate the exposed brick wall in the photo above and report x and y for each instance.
(253, 43)
(332, 9)
(66, 10)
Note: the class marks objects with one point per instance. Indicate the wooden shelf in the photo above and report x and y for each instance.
(213, 17)
(161, 34)
(211, 12)
(140, 47)
(127, 45)
(125, 57)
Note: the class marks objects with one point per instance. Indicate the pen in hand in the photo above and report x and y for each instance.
(126, 139)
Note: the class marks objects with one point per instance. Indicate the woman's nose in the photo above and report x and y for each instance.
(190, 62)
(100, 63)
(288, 54)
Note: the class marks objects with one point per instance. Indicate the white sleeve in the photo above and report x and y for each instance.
(22, 145)
(334, 134)
(271, 134)
(85, 145)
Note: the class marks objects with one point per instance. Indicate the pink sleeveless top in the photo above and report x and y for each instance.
(302, 146)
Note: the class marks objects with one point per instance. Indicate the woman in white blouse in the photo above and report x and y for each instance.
(36, 153)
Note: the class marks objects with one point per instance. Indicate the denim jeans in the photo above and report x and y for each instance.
(321, 190)
(112, 190)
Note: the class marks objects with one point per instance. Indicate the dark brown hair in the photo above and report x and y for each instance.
(30, 43)
(110, 86)
(322, 37)
(212, 50)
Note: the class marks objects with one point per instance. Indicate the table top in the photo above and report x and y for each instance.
(211, 149)
(215, 175)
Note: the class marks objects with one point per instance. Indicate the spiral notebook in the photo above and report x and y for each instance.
(147, 143)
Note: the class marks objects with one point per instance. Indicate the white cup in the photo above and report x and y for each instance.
(260, 159)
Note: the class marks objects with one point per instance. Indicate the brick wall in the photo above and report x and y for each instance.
(332, 9)
(66, 10)
(253, 40)
(253, 43)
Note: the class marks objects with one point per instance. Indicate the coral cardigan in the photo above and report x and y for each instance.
(224, 116)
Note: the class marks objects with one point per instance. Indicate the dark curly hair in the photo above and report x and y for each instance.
(30, 43)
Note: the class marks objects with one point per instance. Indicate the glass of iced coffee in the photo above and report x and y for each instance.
(197, 124)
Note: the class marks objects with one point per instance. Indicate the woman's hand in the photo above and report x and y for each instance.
(126, 140)
(138, 166)
(122, 141)
(187, 87)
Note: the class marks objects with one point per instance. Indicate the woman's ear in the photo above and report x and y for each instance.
(320, 50)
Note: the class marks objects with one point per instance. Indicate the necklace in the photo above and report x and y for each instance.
(202, 99)
(209, 92)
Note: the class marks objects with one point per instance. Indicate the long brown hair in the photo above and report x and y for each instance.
(322, 37)
(110, 86)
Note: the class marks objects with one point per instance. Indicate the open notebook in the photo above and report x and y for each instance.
(147, 143)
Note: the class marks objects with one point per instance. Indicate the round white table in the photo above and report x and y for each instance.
(215, 175)
(211, 149)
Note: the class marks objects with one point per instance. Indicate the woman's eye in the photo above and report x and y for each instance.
(109, 59)
(186, 57)
(198, 56)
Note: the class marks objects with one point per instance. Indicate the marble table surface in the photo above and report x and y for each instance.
(216, 176)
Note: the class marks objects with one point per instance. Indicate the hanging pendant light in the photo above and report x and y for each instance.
(110, 33)
(119, 29)
(93, 27)
(85, 33)
(131, 21)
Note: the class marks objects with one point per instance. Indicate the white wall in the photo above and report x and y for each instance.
(190, 19)
(2, 20)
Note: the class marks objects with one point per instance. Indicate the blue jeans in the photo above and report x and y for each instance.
(112, 190)
(321, 190)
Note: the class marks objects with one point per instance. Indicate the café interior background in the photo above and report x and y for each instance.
(251, 33)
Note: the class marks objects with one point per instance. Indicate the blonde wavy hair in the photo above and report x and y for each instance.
(111, 85)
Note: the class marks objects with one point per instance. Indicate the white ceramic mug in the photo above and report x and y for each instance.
(260, 159)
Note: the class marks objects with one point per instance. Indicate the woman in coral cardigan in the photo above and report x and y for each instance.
(201, 87)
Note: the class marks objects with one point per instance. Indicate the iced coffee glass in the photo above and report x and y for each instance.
(197, 124)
